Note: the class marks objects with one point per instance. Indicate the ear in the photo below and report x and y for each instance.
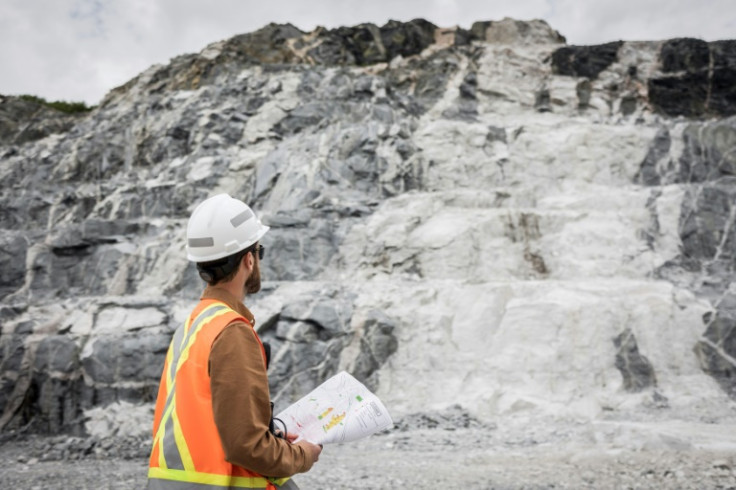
(248, 262)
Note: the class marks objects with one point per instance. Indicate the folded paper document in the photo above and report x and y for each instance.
(341, 409)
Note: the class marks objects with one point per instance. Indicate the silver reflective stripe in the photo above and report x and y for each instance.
(171, 451)
(241, 218)
(201, 242)
(175, 360)
(158, 484)
(176, 345)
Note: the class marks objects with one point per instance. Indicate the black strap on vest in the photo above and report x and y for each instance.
(272, 424)
(267, 349)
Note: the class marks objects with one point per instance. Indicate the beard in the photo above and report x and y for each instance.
(253, 283)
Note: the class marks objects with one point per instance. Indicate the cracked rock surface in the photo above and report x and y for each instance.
(484, 218)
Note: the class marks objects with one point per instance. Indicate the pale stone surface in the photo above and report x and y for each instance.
(456, 224)
(119, 419)
(120, 320)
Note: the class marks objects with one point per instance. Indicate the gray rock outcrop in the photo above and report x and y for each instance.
(24, 120)
(530, 225)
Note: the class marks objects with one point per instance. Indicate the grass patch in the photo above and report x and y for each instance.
(60, 105)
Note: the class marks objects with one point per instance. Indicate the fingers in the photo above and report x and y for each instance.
(316, 451)
(313, 450)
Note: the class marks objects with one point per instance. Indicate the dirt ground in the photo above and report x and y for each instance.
(467, 458)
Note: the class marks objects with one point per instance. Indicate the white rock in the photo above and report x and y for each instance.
(119, 419)
(119, 319)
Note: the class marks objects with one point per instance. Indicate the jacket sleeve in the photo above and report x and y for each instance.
(242, 407)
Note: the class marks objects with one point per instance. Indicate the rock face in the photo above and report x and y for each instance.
(486, 218)
(699, 80)
(585, 61)
(636, 369)
(22, 121)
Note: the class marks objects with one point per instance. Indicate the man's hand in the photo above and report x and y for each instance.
(313, 450)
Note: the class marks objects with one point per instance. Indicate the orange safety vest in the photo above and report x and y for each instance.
(187, 451)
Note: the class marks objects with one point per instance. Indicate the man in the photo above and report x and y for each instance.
(212, 424)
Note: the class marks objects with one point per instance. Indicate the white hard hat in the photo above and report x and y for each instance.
(221, 226)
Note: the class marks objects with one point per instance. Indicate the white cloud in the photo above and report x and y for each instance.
(80, 49)
(601, 21)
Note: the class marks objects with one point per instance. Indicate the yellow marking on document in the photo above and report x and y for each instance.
(324, 414)
(336, 419)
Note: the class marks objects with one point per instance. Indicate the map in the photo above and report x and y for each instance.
(341, 409)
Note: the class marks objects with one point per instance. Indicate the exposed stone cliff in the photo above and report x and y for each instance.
(527, 224)
(23, 120)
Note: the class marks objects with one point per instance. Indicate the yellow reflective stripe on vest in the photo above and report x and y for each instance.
(221, 481)
(173, 450)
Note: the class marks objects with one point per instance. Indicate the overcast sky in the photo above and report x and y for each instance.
(78, 50)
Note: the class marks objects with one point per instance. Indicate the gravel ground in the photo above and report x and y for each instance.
(435, 451)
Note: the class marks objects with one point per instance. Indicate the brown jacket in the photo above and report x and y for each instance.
(241, 400)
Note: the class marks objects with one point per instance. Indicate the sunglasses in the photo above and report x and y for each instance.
(260, 251)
